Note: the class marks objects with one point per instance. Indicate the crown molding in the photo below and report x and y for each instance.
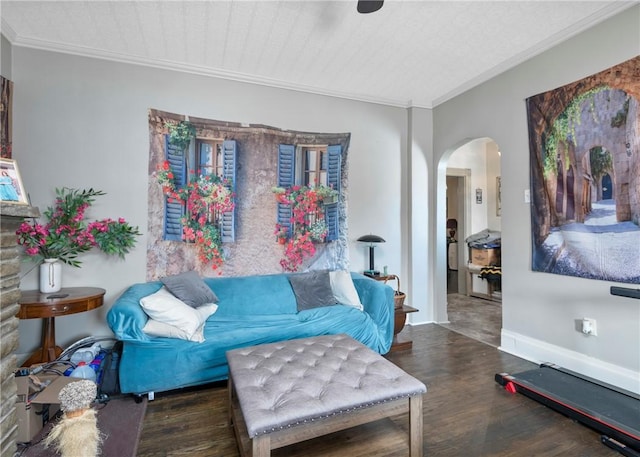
(193, 69)
(7, 31)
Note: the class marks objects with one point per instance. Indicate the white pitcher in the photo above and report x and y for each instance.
(50, 276)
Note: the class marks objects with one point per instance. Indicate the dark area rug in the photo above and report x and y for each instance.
(120, 422)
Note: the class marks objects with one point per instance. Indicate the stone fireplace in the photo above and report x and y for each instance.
(11, 216)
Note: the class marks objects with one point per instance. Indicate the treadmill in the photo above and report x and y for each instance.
(611, 411)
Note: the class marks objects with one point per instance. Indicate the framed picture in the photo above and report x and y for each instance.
(6, 89)
(11, 188)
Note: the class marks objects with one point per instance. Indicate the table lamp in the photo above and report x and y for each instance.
(371, 240)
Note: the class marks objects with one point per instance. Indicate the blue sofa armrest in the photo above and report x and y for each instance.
(126, 318)
(377, 299)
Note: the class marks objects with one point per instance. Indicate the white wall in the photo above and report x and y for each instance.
(539, 310)
(419, 197)
(473, 156)
(494, 222)
(81, 122)
(5, 57)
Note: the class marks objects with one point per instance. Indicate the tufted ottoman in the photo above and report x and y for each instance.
(291, 391)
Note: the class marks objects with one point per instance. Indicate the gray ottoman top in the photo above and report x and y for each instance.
(283, 384)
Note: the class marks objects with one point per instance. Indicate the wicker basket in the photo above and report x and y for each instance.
(398, 296)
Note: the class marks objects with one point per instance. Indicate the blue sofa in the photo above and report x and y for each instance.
(251, 310)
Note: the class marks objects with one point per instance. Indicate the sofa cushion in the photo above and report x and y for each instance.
(162, 329)
(253, 295)
(312, 289)
(343, 289)
(163, 306)
(190, 288)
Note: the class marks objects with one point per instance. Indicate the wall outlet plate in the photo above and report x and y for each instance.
(589, 327)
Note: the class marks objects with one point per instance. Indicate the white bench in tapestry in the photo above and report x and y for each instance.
(291, 391)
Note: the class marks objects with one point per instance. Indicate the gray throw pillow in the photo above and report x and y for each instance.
(312, 289)
(190, 288)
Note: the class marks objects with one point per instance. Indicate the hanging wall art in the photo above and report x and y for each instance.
(212, 206)
(584, 142)
(6, 95)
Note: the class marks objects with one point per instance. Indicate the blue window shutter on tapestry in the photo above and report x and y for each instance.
(174, 210)
(334, 173)
(286, 179)
(228, 223)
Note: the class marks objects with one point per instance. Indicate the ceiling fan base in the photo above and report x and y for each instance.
(369, 6)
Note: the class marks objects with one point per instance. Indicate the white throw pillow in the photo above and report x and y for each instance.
(162, 329)
(343, 289)
(157, 328)
(164, 307)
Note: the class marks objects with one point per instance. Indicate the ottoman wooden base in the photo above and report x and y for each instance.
(261, 445)
(305, 427)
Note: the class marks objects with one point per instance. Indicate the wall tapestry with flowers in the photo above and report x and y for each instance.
(584, 141)
(212, 206)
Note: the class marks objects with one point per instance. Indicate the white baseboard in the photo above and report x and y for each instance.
(541, 352)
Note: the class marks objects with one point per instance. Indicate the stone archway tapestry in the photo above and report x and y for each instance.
(584, 142)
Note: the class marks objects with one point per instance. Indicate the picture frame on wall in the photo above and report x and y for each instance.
(6, 91)
(11, 187)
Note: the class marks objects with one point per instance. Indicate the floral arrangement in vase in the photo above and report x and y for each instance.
(205, 198)
(307, 222)
(67, 234)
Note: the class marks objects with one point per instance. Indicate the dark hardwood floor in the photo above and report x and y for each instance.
(466, 413)
(476, 318)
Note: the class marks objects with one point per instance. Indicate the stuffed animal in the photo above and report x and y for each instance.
(77, 432)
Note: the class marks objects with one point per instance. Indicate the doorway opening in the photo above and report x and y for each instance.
(458, 185)
(473, 207)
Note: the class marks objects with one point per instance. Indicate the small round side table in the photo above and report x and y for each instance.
(37, 305)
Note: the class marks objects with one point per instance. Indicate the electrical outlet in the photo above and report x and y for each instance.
(589, 327)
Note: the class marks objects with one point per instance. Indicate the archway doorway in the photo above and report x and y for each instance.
(473, 205)
(607, 187)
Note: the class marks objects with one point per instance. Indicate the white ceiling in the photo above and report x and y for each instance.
(410, 53)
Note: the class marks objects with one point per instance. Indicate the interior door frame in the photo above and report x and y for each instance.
(463, 197)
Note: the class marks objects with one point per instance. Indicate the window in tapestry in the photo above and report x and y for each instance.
(210, 158)
(311, 166)
(314, 165)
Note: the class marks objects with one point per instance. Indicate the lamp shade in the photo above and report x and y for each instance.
(371, 239)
